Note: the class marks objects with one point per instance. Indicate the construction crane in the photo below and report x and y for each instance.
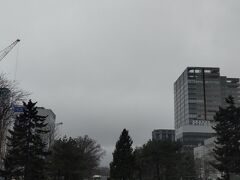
(5, 51)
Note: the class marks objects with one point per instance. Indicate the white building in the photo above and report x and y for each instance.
(203, 156)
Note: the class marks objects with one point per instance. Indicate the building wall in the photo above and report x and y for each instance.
(50, 119)
(163, 135)
(203, 156)
(230, 86)
(181, 114)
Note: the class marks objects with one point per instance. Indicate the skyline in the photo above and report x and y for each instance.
(102, 66)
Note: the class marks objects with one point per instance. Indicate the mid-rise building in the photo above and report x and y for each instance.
(163, 135)
(198, 93)
(50, 120)
(48, 138)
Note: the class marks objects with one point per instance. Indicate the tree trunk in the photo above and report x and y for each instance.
(158, 171)
(66, 177)
(140, 174)
(227, 176)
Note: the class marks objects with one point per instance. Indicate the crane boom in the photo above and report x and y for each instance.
(5, 51)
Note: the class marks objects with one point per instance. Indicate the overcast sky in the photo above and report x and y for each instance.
(105, 65)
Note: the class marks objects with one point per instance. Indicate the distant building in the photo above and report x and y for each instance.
(163, 135)
(198, 93)
(5, 94)
(50, 120)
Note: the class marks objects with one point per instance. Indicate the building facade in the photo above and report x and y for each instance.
(48, 138)
(198, 93)
(50, 120)
(204, 156)
(163, 135)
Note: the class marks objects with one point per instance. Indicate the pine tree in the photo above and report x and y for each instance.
(161, 160)
(123, 162)
(227, 148)
(27, 151)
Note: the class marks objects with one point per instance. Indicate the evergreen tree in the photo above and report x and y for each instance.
(139, 163)
(27, 151)
(227, 148)
(161, 158)
(186, 166)
(123, 162)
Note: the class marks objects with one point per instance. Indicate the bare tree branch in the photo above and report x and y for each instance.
(10, 95)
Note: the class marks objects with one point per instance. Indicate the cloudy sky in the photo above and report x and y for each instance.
(105, 65)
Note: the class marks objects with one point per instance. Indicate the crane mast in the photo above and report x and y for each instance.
(5, 51)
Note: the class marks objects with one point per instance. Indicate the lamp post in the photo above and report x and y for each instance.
(56, 130)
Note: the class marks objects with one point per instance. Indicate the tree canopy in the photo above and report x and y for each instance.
(161, 160)
(26, 157)
(123, 162)
(75, 158)
(227, 144)
(10, 95)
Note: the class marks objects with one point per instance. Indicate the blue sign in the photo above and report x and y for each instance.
(18, 108)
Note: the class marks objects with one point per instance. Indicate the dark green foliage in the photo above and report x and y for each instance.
(123, 162)
(74, 158)
(160, 158)
(139, 163)
(163, 160)
(227, 148)
(186, 166)
(26, 151)
(155, 160)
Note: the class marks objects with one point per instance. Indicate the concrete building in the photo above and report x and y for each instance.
(204, 156)
(50, 119)
(198, 93)
(163, 135)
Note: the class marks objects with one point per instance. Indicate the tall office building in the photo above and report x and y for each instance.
(198, 93)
